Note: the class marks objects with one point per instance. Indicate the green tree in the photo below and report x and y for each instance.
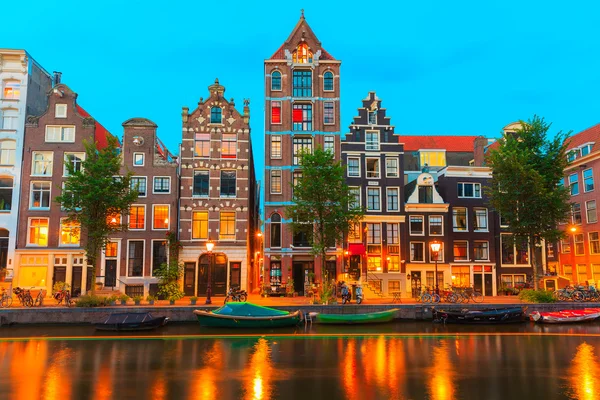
(169, 274)
(96, 197)
(526, 188)
(322, 207)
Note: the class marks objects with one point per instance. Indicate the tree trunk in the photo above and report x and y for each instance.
(92, 261)
(534, 262)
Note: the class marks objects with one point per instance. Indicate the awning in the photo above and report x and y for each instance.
(356, 249)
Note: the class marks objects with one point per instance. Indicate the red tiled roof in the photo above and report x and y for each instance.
(101, 134)
(590, 135)
(449, 143)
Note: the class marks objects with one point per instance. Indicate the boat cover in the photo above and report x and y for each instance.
(129, 318)
(248, 310)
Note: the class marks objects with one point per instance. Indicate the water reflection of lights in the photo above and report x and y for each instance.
(205, 379)
(260, 372)
(441, 374)
(349, 367)
(584, 374)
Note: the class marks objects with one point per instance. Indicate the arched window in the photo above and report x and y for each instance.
(215, 115)
(7, 152)
(275, 80)
(302, 55)
(6, 192)
(275, 230)
(328, 80)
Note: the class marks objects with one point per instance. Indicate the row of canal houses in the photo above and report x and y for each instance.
(414, 190)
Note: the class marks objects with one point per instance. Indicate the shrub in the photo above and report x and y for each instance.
(537, 296)
(58, 286)
(137, 298)
(89, 300)
(123, 297)
(150, 298)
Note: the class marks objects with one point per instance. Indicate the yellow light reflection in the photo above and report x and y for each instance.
(57, 384)
(349, 376)
(441, 374)
(259, 372)
(206, 378)
(26, 373)
(584, 376)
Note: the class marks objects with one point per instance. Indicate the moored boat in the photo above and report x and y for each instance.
(565, 316)
(483, 316)
(367, 318)
(131, 322)
(247, 315)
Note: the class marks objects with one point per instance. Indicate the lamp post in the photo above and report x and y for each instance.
(209, 247)
(435, 250)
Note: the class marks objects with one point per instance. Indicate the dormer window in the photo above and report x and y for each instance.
(372, 117)
(586, 149)
(573, 154)
(216, 116)
(302, 55)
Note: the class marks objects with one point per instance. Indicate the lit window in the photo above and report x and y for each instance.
(392, 199)
(353, 167)
(69, 232)
(302, 83)
(328, 81)
(373, 168)
(114, 220)
(202, 145)
(40, 195)
(469, 190)
(138, 159)
(227, 225)
(12, 90)
(276, 112)
(574, 184)
(162, 184)
(302, 55)
(588, 180)
(137, 217)
(6, 192)
(111, 249)
(328, 112)
(228, 184)
(459, 219)
(161, 217)
(514, 251)
(57, 134)
(200, 225)
(215, 115)
(139, 183)
(372, 140)
(60, 111)
(416, 225)
(565, 244)
(38, 232)
(391, 167)
(329, 144)
(73, 162)
(276, 80)
(42, 163)
(461, 250)
(301, 145)
(276, 181)
(373, 199)
(7, 152)
(302, 117)
(433, 158)
(229, 145)
(275, 146)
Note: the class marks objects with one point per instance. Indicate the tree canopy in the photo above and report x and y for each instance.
(527, 171)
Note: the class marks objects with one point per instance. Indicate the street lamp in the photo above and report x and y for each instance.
(435, 250)
(209, 248)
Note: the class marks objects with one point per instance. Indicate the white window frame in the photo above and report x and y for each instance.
(10, 153)
(280, 112)
(10, 119)
(463, 190)
(454, 229)
(379, 190)
(582, 242)
(487, 219)
(280, 181)
(378, 167)
(136, 153)
(440, 254)
(468, 254)
(145, 220)
(161, 177)
(410, 231)
(333, 121)
(410, 253)
(280, 80)
(81, 155)
(62, 134)
(33, 161)
(29, 244)
(207, 225)
(397, 167)
(348, 167)
(143, 258)
(590, 242)
(372, 148)
(587, 210)
(583, 180)
(429, 224)
(60, 110)
(280, 147)
(168, 217)
(325, 139)
(387, 204)
(146, 180)
(60, 242)
(332, 81)
(359, 194)
(31, 207)
(572, 183)
(488, 250)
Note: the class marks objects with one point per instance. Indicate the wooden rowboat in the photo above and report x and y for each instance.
(247, 315)
(565, 316)
(367, 318)
(481, 316)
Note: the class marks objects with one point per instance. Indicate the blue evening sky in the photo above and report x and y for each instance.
(440, 67)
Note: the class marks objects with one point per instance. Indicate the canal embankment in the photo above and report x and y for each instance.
(184, 313)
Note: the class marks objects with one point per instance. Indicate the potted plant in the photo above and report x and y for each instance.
(111, 300)
(137, 300)
(123, 299)
(150, 299)
(193, 300)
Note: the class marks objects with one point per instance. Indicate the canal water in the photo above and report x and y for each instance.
(404, 360)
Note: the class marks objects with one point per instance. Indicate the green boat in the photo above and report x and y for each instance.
(247, 315)
(368, 318)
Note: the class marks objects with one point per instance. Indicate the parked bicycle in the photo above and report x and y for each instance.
(24, 296)
(577, 293)
(63, 296)
(428, 296)
(6, 299)
(235, 294)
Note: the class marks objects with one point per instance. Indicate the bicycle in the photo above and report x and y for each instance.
(63, 295)
(234, 294)
(39, 299)
(24, 296)
(6, 299)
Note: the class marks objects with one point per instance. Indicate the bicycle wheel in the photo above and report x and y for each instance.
(435, 298)
(426, 298)
(28, 301)
(578, 296)
(243, 297)
(452, 298)
(477, 297)
(228, 298)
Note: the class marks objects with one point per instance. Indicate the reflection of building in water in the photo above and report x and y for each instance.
(441, 374)
(584, 376)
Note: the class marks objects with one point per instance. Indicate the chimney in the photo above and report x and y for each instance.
(57, 76)
(478, 150)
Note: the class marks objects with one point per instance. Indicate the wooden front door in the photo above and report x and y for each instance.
(189, 277)
(76, 281)
(110, 273)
